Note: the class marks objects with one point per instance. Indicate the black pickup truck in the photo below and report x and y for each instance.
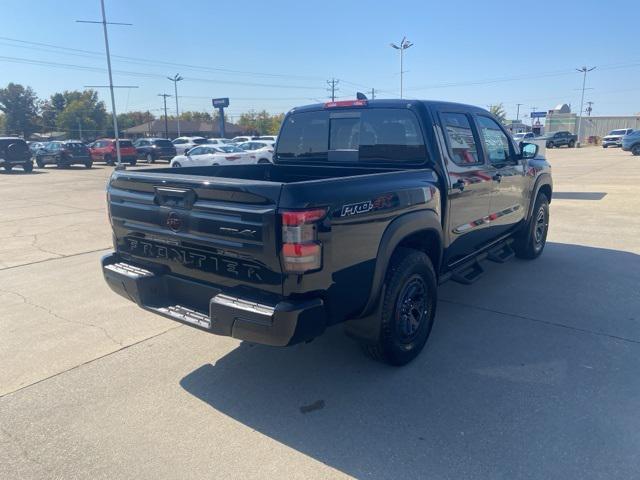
(368, 206)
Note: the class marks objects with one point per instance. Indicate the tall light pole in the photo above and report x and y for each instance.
(584, 71)
(175, 79)
(404, 44)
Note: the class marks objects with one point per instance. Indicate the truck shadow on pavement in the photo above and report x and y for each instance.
(529, 373)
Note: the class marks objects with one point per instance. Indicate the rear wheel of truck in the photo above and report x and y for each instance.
(531, 241)
(408, 308)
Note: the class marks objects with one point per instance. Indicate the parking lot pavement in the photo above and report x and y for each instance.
(529, 373)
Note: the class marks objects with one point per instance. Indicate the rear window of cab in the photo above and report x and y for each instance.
(377, 135)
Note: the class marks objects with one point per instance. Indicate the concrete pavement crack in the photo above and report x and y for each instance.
(27, 301)
(544, 322)
(103, 249)
(124, 347)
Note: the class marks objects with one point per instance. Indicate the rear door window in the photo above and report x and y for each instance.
(461, 141)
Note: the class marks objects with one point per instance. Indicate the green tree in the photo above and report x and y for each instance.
(2, 124)
(262, 122)
(131, 119)
(50, 109)
(83, 114)
(20, 108)
(498, 111)
(196, 116)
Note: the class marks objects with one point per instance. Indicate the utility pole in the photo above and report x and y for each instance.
(518, 111)
(589, 108)
(404, 44)
(175, 79)
(584, 71)
(113, 99)
(332, 88)
(373, 93)
(166, 123)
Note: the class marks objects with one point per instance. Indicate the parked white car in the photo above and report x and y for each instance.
(271, 138)
(241, 139)
(183, 144)
(218, 141)
(260, 151)
(208, 155)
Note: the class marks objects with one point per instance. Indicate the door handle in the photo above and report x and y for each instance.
(497, 177)
(459, 184)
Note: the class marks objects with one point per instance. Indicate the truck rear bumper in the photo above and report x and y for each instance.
(211, 309)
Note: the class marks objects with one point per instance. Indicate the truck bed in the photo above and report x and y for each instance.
(270, 172)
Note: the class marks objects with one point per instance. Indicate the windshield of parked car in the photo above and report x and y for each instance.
(387, 135)
(617, 132)
(162, 143)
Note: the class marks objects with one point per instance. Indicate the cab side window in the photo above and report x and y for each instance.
(495, 141)
(460, 139)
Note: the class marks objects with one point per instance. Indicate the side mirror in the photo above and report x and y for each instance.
(529, 150)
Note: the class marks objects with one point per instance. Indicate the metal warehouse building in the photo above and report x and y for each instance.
(596, 127)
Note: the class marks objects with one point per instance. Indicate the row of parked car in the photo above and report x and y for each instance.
(181, 152)
(626, 138)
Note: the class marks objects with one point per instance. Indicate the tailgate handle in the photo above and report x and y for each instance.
(174, 197)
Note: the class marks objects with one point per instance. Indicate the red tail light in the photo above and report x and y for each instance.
(301, 250)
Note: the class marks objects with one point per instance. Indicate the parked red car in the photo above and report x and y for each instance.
(104, 150)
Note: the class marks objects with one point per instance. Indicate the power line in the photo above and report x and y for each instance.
(139, 60)
(147, 75)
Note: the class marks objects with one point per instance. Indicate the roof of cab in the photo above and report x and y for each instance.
(396, 103)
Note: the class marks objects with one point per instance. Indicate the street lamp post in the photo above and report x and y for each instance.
(404, 44)
(175, 79)
(584, 71)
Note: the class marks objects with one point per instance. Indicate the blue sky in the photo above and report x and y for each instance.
(278, 54)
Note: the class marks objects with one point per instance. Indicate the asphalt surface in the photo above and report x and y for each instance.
(529, 373)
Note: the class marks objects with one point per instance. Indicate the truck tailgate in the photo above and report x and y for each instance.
(209, 229)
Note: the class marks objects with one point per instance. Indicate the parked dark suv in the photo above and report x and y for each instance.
(64, 154)
(557, 139)
(152, 149)
(15, 152)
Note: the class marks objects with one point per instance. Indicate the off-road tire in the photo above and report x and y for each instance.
(407, 269)
(530, 242)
